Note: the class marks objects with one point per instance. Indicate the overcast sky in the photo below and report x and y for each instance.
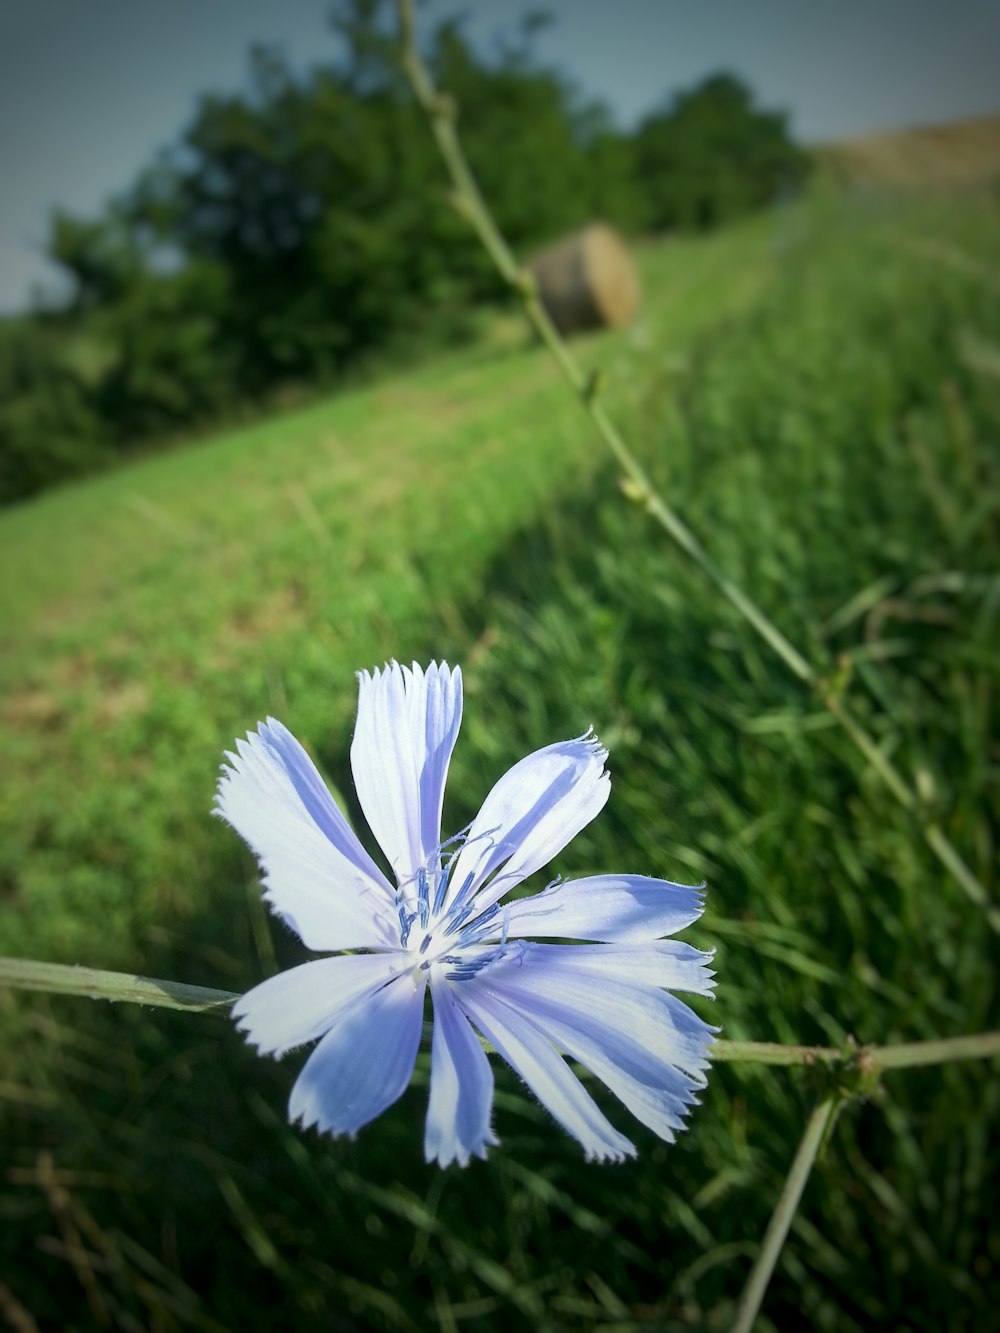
(89, 89)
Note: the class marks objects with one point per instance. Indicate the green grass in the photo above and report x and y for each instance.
(799, 388)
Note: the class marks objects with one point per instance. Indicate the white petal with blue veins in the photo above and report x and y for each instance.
(458, 1116)
(364, 1063)
(408, 720)
(318, 878)
(297, 1006)
(534, 810)
(607, 907)
(546, 1073)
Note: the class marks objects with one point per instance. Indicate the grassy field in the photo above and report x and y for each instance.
(804, 390)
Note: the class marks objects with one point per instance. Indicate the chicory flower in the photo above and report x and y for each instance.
(441, 923)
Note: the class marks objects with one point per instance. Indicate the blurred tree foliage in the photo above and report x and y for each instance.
(300, 228)
(711, 156)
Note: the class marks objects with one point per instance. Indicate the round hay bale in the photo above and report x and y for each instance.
(587, 280)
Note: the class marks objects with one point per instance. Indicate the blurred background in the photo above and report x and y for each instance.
(268, 416)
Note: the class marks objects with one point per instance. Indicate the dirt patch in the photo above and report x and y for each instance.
(124, 700)
(273, 613)
(33, 708)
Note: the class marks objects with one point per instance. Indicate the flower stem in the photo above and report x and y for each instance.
(820, 1122)
(60, 979)
(870, 1059)
(441, 113)
(95, 984)
(909, 1055)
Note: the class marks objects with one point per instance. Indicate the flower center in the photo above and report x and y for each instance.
(433, 929)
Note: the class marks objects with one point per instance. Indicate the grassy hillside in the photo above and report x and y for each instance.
(960, 153)
(802, 388)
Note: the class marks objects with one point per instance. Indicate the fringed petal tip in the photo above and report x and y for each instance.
(700, 959)
(462, 1157)
(301, 1122)
(245, 1028)
(699, 891)
(255, 1037)
(269, 730)
(611, 1156)
(592, 741)
(234, 766)
(407, 674)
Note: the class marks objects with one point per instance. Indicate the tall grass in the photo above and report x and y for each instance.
(835, 447)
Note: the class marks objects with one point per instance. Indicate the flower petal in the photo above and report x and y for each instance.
(546, 1073)
(668, 964)
(318, 877)
(297, 1006)
(607, 907)
(622, 1039)
(458, 1117)
(364, 1062)
(574, 976)
(408, 720)
(535, 809)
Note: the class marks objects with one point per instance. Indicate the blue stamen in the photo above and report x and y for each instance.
(440, 891)
(468, 934)
(487, 836)
(463, 891)
(423, 898)
(406, 920)
(443, 869)
(465, 968)
(457, 919)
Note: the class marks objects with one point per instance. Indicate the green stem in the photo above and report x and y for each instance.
(94, 984)
(59, 979)
(819, 1125)
(773, 1053)
(871, 1059)
(908, 1055)
(441, 114)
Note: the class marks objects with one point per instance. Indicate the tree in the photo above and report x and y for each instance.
(711, 156)
(100, 257)
(302, 226)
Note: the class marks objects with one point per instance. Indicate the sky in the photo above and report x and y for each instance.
(91, 89)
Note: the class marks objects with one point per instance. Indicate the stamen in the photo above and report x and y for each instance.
(505, 925)
(487, 836)
(460, 836)
(423, 897)
(406, 920)
(472, 933)
(463, 891)
(465, 968)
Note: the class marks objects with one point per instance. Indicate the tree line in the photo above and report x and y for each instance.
(300, 229)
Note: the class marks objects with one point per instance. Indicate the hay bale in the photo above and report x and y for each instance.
(587, 280)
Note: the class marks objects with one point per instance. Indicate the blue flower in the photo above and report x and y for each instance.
(443, 926)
